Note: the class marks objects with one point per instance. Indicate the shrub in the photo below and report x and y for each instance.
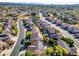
(68, 41)
(29, 53)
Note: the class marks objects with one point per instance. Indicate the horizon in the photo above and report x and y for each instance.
(39, 3)
(48, 2)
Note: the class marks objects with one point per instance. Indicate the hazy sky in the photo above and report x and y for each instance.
(45, 1)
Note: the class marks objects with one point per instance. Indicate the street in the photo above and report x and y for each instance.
(17, 46)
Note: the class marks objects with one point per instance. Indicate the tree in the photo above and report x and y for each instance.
(45, 40)
(57, 31)
(15, 30)
(71, 42)
(1, 30)
(49, 51)
(33, 14)
(56, 51)
(27, 42)
(64, 51)
(25, 23)
(29, 53)
(55, 14)
(68, 41)
(14, 26)
(52, 42)
(60, 51)
(28, 34)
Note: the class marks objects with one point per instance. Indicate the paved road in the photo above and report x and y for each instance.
(17, 46)
(65, 33)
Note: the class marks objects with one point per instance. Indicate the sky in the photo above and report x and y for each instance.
(44, 1)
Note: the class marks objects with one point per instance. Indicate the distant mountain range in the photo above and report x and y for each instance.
(35, 4)
(19, 4)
